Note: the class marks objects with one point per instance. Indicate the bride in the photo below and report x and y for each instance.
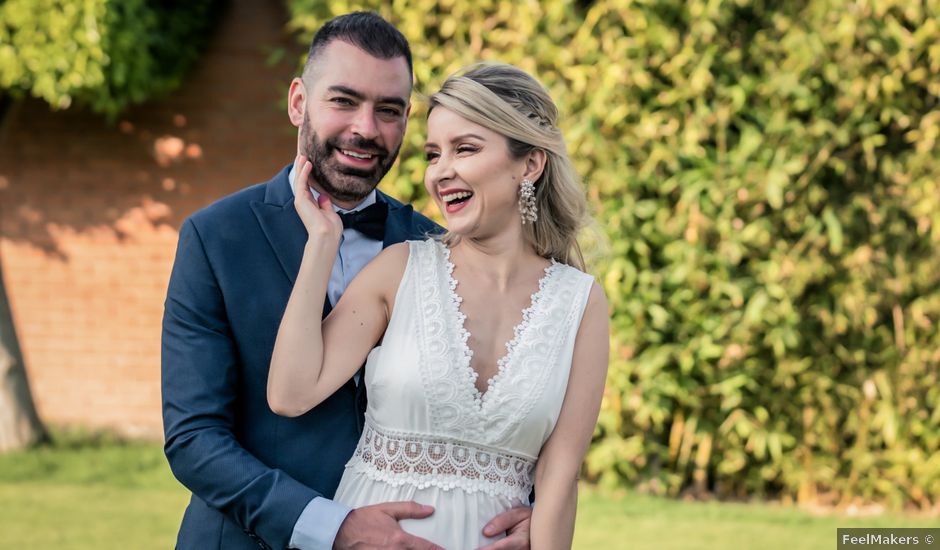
(486, 350)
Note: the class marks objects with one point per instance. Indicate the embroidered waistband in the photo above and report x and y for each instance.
(424, 461)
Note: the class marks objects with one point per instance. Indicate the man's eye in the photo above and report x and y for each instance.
(390, 112)
(342, 101)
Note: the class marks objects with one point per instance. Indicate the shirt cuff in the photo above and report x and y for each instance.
(318, 524)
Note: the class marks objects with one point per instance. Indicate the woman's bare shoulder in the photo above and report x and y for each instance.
(597, 304)
(595, 323)
(384, 273)
(394, 254)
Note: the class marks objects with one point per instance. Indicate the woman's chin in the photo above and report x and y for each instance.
(456, 230)
(456, 225)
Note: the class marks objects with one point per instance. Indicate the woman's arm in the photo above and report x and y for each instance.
(312, 359)
(556, 474)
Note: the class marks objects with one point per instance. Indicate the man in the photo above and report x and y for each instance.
(259, 479)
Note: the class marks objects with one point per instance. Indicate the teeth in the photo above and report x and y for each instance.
(356, 155)
(454, 196)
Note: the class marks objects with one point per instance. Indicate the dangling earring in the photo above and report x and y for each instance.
(527, 208)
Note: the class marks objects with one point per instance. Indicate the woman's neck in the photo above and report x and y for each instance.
(497, 261)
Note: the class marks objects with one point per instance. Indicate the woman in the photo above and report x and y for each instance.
(494, 344)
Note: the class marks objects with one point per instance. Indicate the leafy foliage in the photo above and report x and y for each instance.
(767, 174)
(105, 53)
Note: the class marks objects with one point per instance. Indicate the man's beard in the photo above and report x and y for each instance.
(341, 182)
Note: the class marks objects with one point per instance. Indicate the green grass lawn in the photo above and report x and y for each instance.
(643, 522)
(89, 492)
(101, 493)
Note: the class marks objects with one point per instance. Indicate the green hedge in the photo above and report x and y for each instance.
(103, 53)
(767, 175)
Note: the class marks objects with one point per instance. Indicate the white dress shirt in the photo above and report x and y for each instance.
(318, 524)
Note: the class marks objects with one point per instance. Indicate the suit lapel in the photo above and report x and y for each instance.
(398, 224)
(286, 233)
(281, 225)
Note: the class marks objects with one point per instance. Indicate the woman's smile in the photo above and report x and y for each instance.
(454, 200)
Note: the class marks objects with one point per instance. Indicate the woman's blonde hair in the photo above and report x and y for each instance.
(509, 101)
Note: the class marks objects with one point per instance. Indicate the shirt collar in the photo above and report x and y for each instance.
(368, 201)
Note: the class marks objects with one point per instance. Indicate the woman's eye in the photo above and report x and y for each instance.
(467, 149)
(430, 155)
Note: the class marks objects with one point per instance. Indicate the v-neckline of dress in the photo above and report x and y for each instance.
(481, 398)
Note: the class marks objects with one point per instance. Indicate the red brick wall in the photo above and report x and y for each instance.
(89, 215)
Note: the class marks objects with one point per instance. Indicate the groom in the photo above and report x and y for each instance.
(260, 480)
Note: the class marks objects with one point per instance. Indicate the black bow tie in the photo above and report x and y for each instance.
(370, 221)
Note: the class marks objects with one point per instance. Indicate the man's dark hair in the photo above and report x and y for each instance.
(367, 31)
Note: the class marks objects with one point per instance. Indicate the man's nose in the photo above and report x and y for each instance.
(364, 123)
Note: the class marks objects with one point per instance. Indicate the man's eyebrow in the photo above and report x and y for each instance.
(358, 95)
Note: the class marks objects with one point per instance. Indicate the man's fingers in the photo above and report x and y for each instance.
(406, 510)
(416, 543)
(509, 543)
(508, 519)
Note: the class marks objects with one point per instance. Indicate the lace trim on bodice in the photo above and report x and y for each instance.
(455, 405)
(399, 458)
(465, 352)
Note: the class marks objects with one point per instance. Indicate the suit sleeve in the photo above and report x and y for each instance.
(199, 380)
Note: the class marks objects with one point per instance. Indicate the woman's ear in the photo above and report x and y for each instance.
(296, 102)
(534, 165)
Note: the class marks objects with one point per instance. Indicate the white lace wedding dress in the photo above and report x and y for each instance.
(430, 436)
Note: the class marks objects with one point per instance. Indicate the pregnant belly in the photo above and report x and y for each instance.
(458, 519)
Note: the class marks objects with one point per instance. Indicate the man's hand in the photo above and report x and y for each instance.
(516, 524)
(377, 526)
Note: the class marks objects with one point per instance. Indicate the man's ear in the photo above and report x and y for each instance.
(534, 165)
(296, 102)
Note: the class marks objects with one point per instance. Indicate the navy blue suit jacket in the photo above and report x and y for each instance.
(251, 472)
